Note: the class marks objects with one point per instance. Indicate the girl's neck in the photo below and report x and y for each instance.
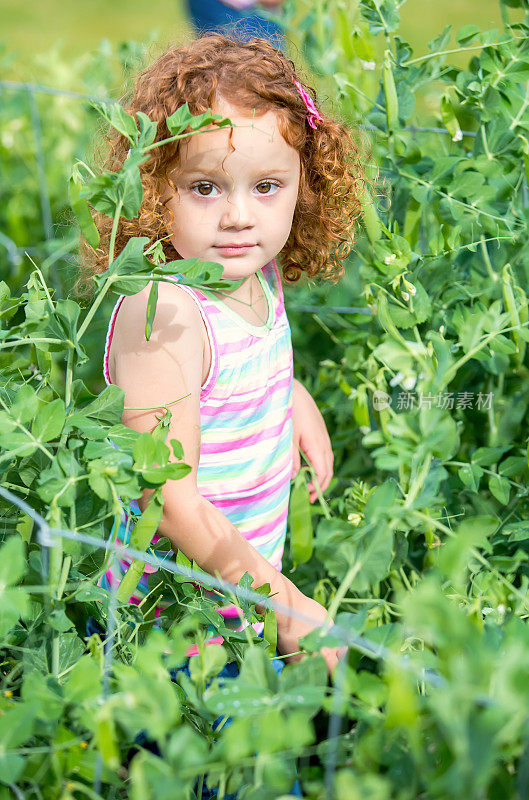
(248, 291)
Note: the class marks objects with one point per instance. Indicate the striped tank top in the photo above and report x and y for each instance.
(245, 462)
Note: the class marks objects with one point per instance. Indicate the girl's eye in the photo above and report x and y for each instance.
(204, 189)
(267, 184)
(199, 186)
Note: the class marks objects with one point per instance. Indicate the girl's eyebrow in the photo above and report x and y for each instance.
(215, 171)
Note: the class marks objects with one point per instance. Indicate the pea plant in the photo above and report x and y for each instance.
(419, 549)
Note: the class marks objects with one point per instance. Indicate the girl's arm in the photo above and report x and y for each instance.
(310, 435)
(167, 367)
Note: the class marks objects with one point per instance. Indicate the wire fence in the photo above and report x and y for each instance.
(49, 537)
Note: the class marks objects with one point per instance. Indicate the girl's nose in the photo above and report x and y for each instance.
(237, 212)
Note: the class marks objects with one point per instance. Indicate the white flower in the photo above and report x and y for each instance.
(396, 379)
(389, 259)
(354, 519)
(409, 382)
(501, 609)
(369, 65)
(405, 295)
(458, 135)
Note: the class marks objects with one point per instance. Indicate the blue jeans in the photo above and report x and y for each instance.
(213, 15)
(230, 670)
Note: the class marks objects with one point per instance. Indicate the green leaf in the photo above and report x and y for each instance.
(470, 475)
(59, 621)
(89, 427)
(148, 130)
(12, 561)
(501, 488)
(49, 422)
(516, 531)
(83, 684)
(178, 450)
(7, 423)
(485, 456)
(381, 500)
(26, 404)
(466, 34)
(71, 648)
(455, 554)
(179, 120)
(122, 436)
(81, 210)
(13, 601)
(208, 663)
(118, 118)
(108, 406)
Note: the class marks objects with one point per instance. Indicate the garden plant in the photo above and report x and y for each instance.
(420, 549)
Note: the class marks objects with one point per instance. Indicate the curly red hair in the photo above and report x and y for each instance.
(252, 75)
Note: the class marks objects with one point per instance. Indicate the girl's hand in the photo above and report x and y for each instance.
(310, 434)
(292, 629)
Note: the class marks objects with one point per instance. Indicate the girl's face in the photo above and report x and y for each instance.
(234, 206)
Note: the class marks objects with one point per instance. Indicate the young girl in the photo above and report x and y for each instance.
(279, 190)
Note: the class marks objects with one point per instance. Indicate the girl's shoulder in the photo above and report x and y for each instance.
(177, 321)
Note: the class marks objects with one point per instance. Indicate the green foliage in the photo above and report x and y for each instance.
(420, 552)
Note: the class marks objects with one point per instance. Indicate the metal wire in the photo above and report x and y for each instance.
(48, 537)
(41, 168)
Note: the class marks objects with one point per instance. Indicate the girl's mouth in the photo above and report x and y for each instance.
(234, 249)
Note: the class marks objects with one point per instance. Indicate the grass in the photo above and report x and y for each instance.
(78, 26)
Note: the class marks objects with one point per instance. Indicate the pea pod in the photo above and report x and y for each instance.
(82, 211)
(270, 631)
(449, 118)
(140, 539)
(390, 92)
(25, 527)
(515, 302)
(56, 551)
(105, 736)
(301, 536)
(384, 317)
(523, 314)
(370, 219)
(383, 413)
(361, 409)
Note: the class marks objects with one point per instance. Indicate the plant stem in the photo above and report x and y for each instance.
(113, 234)
(40, 340)
(94, 307)
(492, 275)
(477, 555)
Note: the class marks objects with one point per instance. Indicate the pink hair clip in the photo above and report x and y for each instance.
(314, 115)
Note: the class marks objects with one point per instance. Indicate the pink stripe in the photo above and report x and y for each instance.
(267, 486)
(249, 402)
(268, 527)
(281, 303)
(193, 649)
(255, 438)
(108, 339)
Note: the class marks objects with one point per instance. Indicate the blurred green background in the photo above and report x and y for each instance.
(79, 26)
